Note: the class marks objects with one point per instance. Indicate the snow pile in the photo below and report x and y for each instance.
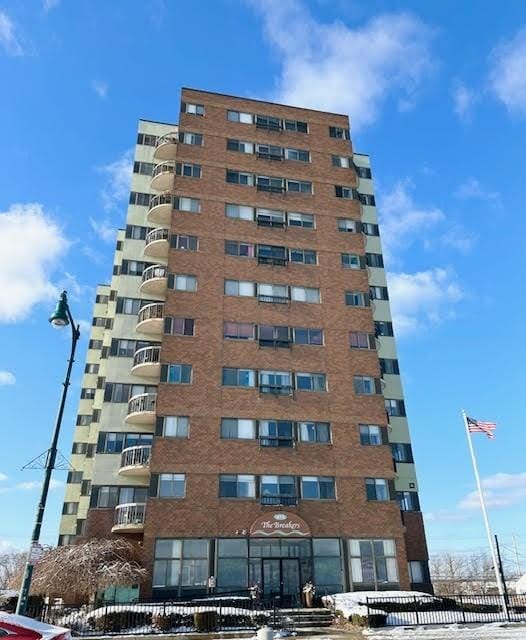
(47, 631)
(495, 631)
(354, 602)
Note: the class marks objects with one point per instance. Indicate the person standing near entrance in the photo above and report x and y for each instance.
(308, 594)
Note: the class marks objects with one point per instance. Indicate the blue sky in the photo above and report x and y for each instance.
(437, 96)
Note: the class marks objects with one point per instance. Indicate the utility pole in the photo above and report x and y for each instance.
(501, 570)
(517, 561)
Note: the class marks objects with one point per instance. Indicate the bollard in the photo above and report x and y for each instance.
(265, 633)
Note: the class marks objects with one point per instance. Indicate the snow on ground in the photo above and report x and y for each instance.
(353, 602)
(494, 631)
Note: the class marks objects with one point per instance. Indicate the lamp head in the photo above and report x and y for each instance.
(59, 317)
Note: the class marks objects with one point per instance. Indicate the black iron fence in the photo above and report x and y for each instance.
(214, 613)
(458, 609)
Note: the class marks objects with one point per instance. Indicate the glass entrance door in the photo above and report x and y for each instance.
(290, 578)
(271, 578)
(281, 578)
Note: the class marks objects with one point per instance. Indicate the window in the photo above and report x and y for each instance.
(367, 199)
(240, 116)
(308, 336)
(300, 155)
(372, 434)
(179, 326)
(417, 571)
(87, 394)
(95, 344)
(176, 373)
(373, 563)
(278, 490)
(118, 392)
(377, 489)
(362, 340)
(238, 429)
(74, 477)
(305, 256)
(363, 172)
(408, 500)
(273, 336)
(268, 122)
(366, 385)
(370, 229)
(378, 293)
(349, 193)
(233, 377)
(276, 433)
(314, 432)
(317, 488)
(348, 225)
(193, 109)
(188, 170)
(272, 254)
(305, 220)
(70, 508)
(147, 139)
(240, 146)
(101, 299)
(239, 211)
(299, 186)
(357, 299)
(188, 137)
(237, 486)
(99, 322)
(270, 218)
(239, 288)
(402, 452)
(91, 368)
(130, 306)
(85, 487)
(295, 125)
(125, 348)
(182, 282)
(187, 204)
(272, 293)
(143, 168)
(389, 366)
(275, 382)
(83, 420)
(374, 260)
(344, 162)
(383, 328)
(134, 267)
(63, 541)
(311, 382)
(395, 408)
(141, 199)
(182, 242)
(266, 183)
(305, 294)
(136, 232)
(339, 132)
(352, 261)
(238, 177)
(172, 485)
(173, 426)
(180, 564)
(240, 249)
(239, 330)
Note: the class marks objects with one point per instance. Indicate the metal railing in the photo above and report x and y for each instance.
(138, 456)
(269, 126)
(275, 441)
(276, 501)
(163, 167)
(278, 342)
(161, 198)
(266, 222)
(264, 155)
(168, 138)
(155, 271)
(277, 389)
(147, 355)
(152, 311)
(144, 402)
(273, 260)
(270, 188)
(157, 234)
(273, 299)
(130, 514)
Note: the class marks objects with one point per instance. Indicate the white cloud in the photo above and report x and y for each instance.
(402, 220)
(507, 79)
(104, 229)
(6, 378)
(100, 88)
(9, 38)
(459, 238)
(446, 516)
(85, 327)
(501, 490)
(48, 5)
(472, 189)
(31, 485)
(2, 476)
(423, 299)
(31, 245)
(118, 174)
(464, 99)
(334, 67)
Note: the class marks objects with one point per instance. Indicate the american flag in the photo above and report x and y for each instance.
(476, 426)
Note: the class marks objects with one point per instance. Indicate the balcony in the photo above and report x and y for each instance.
(275, 441)
(135, 461)
(166, 148)
(263, 155)
(147, 362)
(277, 389)
(163, 176)
(157, 243)
(273, 299)
(268, 222)
(154, 280)
(270, 188)
(277, 343)
(275, 261)
(279, 501)
(150, 319)
(141, 409)
(160, 209)
(129, 517)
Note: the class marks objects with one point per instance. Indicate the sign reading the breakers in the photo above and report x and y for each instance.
(280, 524)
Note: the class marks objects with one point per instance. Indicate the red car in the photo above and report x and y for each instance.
(13, 627)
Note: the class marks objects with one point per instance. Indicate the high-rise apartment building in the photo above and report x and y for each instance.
(242, 413)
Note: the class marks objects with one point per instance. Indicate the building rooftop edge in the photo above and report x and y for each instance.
(172, 124)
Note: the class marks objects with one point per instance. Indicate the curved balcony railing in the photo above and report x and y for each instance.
(163, 175)
(154, 279)
(141, 408)
(135, 459)
(157, 243)
(166, 147)
(129, 516)
(150, 318)
(157, 234)
(155, 271)
(147, 361)
(160, 209)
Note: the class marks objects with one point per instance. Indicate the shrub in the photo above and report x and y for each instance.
(115, 621)
(205, 621)
(170, 621)
(373, 620)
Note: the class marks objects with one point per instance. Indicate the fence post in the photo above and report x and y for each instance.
(462, 609)
(368, 611)
(416, 609)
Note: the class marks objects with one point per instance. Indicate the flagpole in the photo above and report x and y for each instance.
(500, 586)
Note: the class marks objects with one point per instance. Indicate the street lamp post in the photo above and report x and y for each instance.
(61, 317)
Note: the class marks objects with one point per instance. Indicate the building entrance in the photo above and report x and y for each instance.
(281, 579)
